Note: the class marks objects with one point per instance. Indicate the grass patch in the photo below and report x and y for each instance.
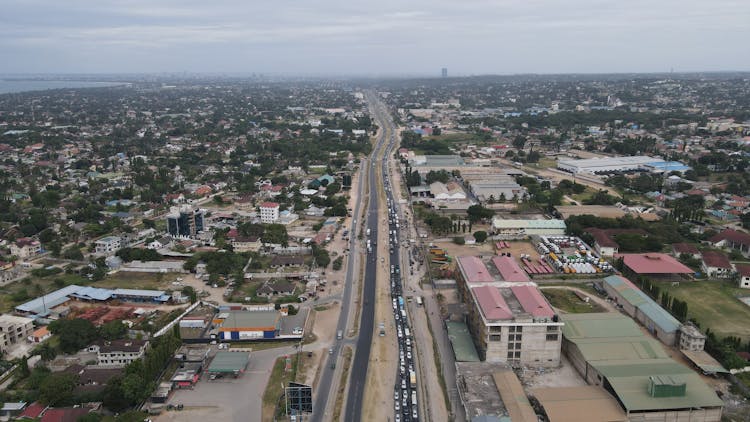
(262, 345)
(133, 280)
(321, 308)
(274, 389)
(341, 391)
(566, 300)
(715, 305)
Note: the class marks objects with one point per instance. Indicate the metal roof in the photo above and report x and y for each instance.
(474, 270)
(509, 269)
(138, 292)
(654, 263)
(229, 362)
(629, 292)
(41, 306)
(564, 404)
(491, 303)
(463, 346)
(528, 224)
(93, 293)
(251, 319)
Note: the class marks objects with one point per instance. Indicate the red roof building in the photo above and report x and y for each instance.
(716, 265)
(509, 269)
(732, 239)
(33, 411)
(685, 248)
(473, 270)
(653, 263)
(64, 414)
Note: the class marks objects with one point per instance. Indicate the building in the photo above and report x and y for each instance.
(604, 239)
(514, 325)
(444, 72)
(608, 165)
(497, 189)
(9, 271)
(118, 353)
(716, 265)
(447, 191)
(691, 338)
(284, 261)
(732, 239)
(269, 212)
(185, 221)
(246, 243)
(564, 404)
(519, 229)
(229, 363)
(43, 305)
(25, 248)
(655, 265)
(604, 211)
(107, 245)
(248, 325)
(14, 330)
(744, 275)
(679, 249)
(509, 269)
(273, 288)
(39, 335)
(642, 308)
(609, 350)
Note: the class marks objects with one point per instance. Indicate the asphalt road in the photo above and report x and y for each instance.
(355, 396)
(324, 389)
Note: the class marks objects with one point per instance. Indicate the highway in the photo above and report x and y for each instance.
(361, 360)
(324, 392)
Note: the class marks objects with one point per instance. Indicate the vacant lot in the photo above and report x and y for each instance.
(567, 301)
(714, 305)
(132, 280)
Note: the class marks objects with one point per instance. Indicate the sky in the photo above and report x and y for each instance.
(373, 37)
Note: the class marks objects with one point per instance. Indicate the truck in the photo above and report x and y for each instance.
(413, 381)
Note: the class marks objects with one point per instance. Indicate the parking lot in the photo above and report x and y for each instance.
(227, 399)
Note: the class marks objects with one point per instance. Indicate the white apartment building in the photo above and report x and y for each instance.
(119, 353)
(108, 245)
(269, 212)
(14, 329)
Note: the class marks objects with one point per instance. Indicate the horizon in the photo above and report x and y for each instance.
(475, 37)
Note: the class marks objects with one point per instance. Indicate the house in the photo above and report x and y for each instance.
(25, 248)
(9, 271)
(685, 248)
(161, 243)
(39, 335)
(287, 217)
(732, 239)
(107, 245)
(118, 353)
(64, 414)
(313, 211)
(279, 261)
(12, 409)
(276, 288)
(269, 212)
(33, 411)
(716, 265)
(744, 272)
(246, 243)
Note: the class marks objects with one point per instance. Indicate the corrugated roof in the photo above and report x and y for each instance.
(93, 293)
(474, 270)
(509, 269)
(528, 224)
(463, 346)
(229, 362)
(629, 292)
(513, 396)
(716, 260)
(138, 292)
(654, 263)
(564, 404)
(491, 303)
(250, 319)
(41, 306)
(532, 301)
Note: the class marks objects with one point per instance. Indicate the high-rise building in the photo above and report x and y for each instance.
(185, 221)
(445, 72)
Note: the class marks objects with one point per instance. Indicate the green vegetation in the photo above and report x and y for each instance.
(338, 263)
(714, 305)
(273, 406)
(567, 301)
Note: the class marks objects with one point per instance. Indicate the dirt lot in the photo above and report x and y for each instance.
(564, 376)
(518, 247)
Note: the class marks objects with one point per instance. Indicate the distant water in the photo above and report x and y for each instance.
(9, 86)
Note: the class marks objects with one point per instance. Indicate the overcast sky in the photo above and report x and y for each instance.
(370, 37)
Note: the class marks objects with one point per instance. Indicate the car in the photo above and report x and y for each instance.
(330, 351)
(395, 395)
(396, 405)
(414, 413)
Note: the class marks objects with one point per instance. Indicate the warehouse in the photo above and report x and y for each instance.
(643, 309)
(248, 325)
(609, 350)
(225, 363)
(655, 265)
(519, 229)
(564, 404)
(43, 305)
(619, 165)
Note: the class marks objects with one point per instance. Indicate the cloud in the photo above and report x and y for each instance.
(470, 36)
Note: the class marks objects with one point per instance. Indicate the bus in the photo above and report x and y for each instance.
(419, 300)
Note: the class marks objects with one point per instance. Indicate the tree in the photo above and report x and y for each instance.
(57, 389)
(73, 253)
(74, 334)
(459, 240)
(478, 212)
(519, 142)
(333, 188)
(480, 236)
(189, 291)
(113, 330)
(275, 233)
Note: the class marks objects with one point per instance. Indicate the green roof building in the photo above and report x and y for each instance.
(610, 350)
(229, 363)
